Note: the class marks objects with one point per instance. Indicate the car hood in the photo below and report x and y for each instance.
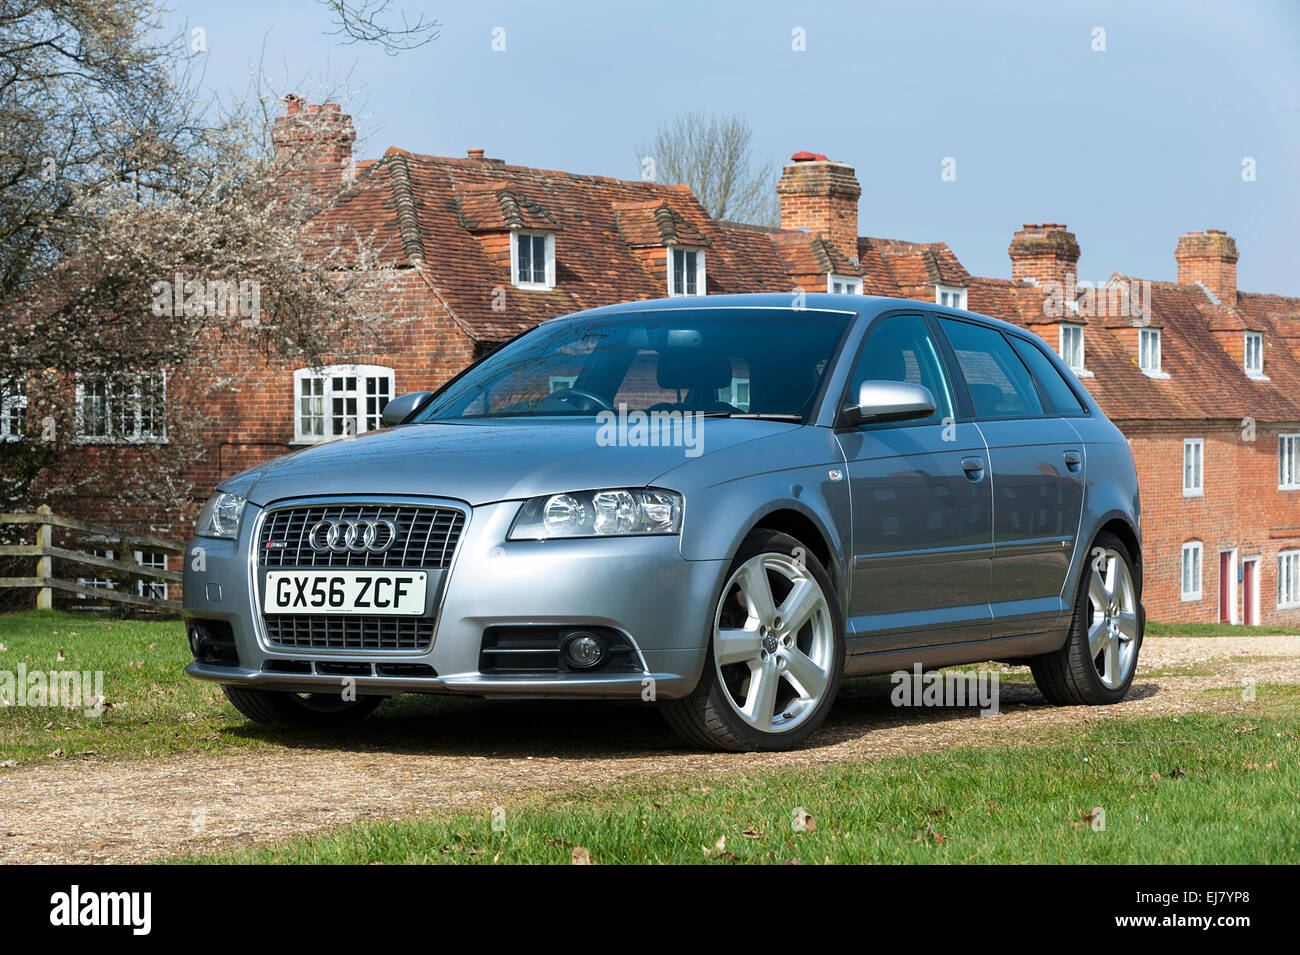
(492, 461)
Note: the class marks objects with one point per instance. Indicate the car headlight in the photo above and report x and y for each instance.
(618, 512)
(220, 516)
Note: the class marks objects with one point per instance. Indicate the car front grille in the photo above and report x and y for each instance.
(316, 632)
(426, 536)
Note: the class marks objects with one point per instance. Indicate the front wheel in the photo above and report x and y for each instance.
(299, 709)
(776, 652)
(1099, 659)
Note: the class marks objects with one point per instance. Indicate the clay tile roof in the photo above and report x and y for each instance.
(654, 223)
(497, 207)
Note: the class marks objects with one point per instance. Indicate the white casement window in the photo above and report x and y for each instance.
(123, 407)
(1288, 462)
(157, 589)
(339, 401)
(1149, 352)
(532, 260)
(950, 297)
(560, 382)
(13, 409)
(1193, 467)
(1255, 354)
(1288, 579)
(1191, 589)
(843, 284)
(736, 394)
(103, 583)
(685, 272)
(1071, 350)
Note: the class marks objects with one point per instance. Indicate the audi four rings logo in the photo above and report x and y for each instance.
(352, 536)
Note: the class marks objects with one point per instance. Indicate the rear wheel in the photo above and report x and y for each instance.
(1099, 658)
(776, 652)
(299, 709)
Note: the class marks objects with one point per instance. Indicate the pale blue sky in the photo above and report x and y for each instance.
(1130, 147)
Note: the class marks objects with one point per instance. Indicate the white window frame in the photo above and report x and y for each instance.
(701, 271)
(1288, 579)
(1065, 353)
(950, 296)
(1288, 462)
(326, 397)
(122, 389)
(1195, 551)
(1149, 357)
(549, 282)
(561, 382)
(103, 583)
(1194, 455)
(736, 394)
(13, 409)
(154, 560)
(850, 284)
(1254, 342)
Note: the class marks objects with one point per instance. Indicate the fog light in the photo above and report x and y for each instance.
(583, 650)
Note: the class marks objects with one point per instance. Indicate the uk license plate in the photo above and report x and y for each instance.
(346, 592)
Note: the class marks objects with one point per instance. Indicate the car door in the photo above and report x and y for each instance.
(921, 505)
(1036, 464)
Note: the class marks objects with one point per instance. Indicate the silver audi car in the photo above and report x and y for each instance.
(717, 506)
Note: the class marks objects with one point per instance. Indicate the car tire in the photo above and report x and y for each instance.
(1097, 663)
(276, 707)
(791, 667)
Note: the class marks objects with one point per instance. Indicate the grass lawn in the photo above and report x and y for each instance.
(1156, 629)
(152, 706)
(1200, 788)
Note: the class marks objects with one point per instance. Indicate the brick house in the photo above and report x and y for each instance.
(1202, 378)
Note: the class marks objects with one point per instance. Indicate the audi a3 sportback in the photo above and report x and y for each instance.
(721, 506)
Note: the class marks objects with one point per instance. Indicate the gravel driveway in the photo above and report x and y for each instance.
(491, 753)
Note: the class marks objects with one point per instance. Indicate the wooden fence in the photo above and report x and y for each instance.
(46, 553)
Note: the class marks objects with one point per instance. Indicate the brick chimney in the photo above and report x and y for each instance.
(821, 196)
(1210, 258)
(315, 142)
(1045, 253)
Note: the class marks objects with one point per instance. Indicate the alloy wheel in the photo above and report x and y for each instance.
(773, 641)
(1113, 619)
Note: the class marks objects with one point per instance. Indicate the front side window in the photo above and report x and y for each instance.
(13, 409)
(1193, 467)
(1149, 350)
(1072, 346)
(950, 297)
(843, 284)
(761, 362)
(1288, 579)
(532, 256)
(1288, 462)
(122, 407)
(685, 271)
(900, 348)
(1254, 353)
(339, 401)
(1191, 574)
(999, 383)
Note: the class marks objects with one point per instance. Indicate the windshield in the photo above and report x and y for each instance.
(755, 362)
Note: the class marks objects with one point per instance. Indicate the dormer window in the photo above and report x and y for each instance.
(685, 271)
(532, 260)
(1149, 352)
(1072, 346)
(843, 284)
(1255, 354)
(950, 297)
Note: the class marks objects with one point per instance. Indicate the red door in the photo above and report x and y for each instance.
(1250, 592)
(1227, 587)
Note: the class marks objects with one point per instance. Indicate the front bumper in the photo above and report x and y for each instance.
(641, 586)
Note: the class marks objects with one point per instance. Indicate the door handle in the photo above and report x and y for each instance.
(974, 467)
(1073, 460)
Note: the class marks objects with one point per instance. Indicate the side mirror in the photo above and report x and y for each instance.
(403, 406)
(888, 401)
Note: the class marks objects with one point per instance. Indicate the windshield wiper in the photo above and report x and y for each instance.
(755, 415)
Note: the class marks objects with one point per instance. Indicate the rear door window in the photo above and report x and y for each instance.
(1051, 383)
(1000, 385)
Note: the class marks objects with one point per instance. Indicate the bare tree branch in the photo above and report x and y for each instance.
(359, 22)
